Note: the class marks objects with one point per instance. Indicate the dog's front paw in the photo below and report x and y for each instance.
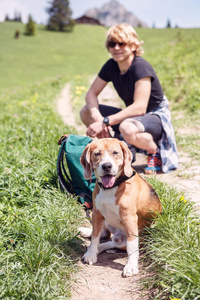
(90, 258)
(130, 270)
(85, 232)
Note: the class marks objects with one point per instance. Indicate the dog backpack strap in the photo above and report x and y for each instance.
(64, 179)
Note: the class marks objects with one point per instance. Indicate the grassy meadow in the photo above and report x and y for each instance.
(38, 224)
(80, 52)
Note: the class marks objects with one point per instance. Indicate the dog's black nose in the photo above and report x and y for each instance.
(107, 167)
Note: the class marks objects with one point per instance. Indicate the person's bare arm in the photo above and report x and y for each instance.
(92, 98)
(139, 107)
(92, 105)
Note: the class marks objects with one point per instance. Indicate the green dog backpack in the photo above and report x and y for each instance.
(70, 171)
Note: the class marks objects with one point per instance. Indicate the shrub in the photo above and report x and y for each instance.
(30, 27)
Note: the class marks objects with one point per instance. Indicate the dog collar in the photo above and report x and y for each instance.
(118, 181)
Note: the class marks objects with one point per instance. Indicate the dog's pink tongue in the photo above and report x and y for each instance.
(108, 181)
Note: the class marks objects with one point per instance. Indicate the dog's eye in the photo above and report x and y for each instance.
(97, 154)
(115, 152)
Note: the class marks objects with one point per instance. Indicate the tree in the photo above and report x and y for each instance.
(168, 24)
(17, 17)
(60, 16)
(7, 18)
(30, 27)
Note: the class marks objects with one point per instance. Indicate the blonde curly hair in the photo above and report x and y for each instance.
(125, 33)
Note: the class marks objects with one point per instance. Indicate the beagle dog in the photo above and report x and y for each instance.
(123, 202)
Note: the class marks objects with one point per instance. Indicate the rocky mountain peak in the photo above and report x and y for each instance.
(112, 13)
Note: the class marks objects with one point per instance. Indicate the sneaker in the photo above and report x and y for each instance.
(154, 164)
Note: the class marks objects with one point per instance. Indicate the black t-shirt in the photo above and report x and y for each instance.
(125, 84)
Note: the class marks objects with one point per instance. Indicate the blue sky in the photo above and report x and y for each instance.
(184, 13)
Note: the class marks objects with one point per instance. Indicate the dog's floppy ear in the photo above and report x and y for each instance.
(127, 159)
(86, 162)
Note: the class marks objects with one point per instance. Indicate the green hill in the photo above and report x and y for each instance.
(49, 54)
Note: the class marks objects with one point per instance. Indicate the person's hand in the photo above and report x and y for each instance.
(98, 129)
(104, 134)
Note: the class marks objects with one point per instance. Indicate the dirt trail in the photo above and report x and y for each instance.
(103, 280)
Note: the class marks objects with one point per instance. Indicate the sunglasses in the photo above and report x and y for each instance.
(112, 44)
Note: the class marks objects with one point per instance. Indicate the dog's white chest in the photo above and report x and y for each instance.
(105, 203)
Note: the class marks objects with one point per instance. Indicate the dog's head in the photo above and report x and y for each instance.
(109, 158)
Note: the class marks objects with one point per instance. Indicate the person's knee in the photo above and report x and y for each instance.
(128, 129)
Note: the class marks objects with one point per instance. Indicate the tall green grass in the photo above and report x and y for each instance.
(172, 247)
(178, 66)
(38, 223)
